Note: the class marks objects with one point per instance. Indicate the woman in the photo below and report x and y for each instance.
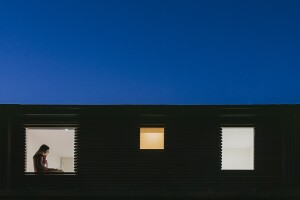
(39, 161)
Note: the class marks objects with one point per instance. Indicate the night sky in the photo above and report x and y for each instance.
(150, 52)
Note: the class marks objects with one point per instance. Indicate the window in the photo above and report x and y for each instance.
(61, 143)
(151, 138)
(237, 148)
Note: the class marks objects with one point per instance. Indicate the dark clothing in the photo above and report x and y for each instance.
(40, 163)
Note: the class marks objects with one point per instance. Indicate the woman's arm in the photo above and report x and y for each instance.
(41, 168)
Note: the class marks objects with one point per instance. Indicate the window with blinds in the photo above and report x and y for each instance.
(60, 156)
(237, 148)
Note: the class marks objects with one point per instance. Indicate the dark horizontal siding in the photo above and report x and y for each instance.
(195, 145)
(110, 158)
(108, 154)
(267, 173)
(291, 151)
(3, 150)
(109, 161)
(28, 181)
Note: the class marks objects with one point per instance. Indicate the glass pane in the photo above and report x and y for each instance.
(238, 148)
(61, 148)
(152, 138)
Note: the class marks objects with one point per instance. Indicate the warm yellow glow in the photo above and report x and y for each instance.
(151, 138)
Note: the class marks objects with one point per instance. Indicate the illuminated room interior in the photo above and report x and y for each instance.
(237, 148)
(151, 138)
(61, 143)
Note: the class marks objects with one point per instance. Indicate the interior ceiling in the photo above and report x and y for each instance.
(60, 141)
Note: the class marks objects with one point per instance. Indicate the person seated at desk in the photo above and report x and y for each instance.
(40, 163)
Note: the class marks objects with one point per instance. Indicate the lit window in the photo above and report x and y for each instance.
(151, 138)
(238, 148)
(60, 145)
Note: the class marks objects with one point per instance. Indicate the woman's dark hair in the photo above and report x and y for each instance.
(42, 149)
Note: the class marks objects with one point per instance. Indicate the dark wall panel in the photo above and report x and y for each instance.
(109, 161)
(28, 181)
(267, 173)
(291, 150)
(108, 154)
(3, 150)
(110, 158)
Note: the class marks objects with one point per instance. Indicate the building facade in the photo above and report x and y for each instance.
(109, 161)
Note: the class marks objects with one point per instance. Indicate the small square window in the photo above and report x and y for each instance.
(237, 148)
(151, 138)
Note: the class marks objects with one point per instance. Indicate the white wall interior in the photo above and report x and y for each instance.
(237, 148)
(67, 164)
(61, 143)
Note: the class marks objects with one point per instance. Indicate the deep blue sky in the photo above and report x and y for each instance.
(150, 52)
